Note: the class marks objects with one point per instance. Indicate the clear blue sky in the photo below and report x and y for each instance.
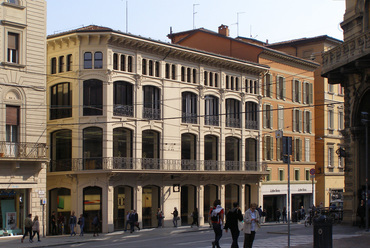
(275, 20)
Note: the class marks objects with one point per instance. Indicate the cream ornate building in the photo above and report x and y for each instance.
(140, 124)
(23, 156)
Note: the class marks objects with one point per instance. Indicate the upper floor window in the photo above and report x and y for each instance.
(307, 121)
(123, 63)
(281, 117)
(152, 103)
(167, 70)
(297, 120)
(92, 148)
(331, 88)
(61, 64)
(195, 76)
(296, 174)
(250, 149)
(330, 157)
(92, 97)
(267, 85)
(232, 113)
(251, 86)
(14, 2)
(12, 127)
(279, 149)
(157, 68)
(296, 91)
(232, 149)
(307, 151)
(267, 116)
(183, 73)
(297, 147)
(115, 61)
(88, 60)
(251, 115)
(268, 147)
(129, 64)
(340, 120)
(330, 119)
(98, 60)
(60, 101)
(281, 174)
(13, 48)
(280, 87)
(69, 62)
(340, 90)
(122, 99)
(53, 65)
(189, 107)
(173, 72)
(151, 68)
(307, 93)
(211, 111)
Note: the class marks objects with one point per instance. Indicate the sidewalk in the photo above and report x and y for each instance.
(343, 237)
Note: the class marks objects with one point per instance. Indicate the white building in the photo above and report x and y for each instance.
(23, 155)
(140, 124)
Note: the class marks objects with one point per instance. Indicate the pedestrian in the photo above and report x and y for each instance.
(95, 224)
(27, 227)
(132, 221)
(136, 223)
(278, 216)
(361, 212)
(303, 212)
(284, 214)
(263, 217)
(175, 214)
(232, 219)
(160, 217)
(81, 222)
(195, 216)
(72, 223)
(217, 216)
(61, 221)
(259, 209)
(53, 224)
(36, 228)
(251, 225)
(127, 219)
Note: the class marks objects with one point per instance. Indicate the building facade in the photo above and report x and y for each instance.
(287, 106)
(329, 119)
(23, 156)
(140, 124)
(347, 65)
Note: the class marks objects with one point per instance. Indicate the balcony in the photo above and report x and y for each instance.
(123, 110)
(211, 120)
(347, 57)
(251, 125)
(10, 150)
(154, 164)
(189, 118)
(233, 122)
(151, 113)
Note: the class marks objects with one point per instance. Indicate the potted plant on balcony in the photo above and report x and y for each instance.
(1, 154)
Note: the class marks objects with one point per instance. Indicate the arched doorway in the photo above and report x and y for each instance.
(60, 202)
(188, 203)
(210, 195)
(151, 203)
(231, 196)
(123, 203)
(247, 196)
(92, 206)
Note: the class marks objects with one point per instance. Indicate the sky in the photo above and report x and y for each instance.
(272, 20)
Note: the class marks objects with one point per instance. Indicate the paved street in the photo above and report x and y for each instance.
(271, 235)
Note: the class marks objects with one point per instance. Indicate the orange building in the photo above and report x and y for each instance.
(287, 103)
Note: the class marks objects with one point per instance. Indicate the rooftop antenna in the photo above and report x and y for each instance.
(195, 4)
(237, 22)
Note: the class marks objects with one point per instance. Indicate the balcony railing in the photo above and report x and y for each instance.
(12, 150)
(123, 110)
(251, 125)
(211, 120)
(232, 122)
(151, 113)
(155, 164)
(189, 118)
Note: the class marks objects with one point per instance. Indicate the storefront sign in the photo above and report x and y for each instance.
(274, 190)
(300, 190)
(7, 193)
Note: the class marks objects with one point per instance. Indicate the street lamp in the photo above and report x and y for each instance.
(365, 121)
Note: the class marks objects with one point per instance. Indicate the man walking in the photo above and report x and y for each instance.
(232, 218)
(217, 217)
(175, 216)
(27, 227)
(53, 224)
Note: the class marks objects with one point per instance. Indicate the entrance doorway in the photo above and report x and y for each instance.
(123, 203)
(188, 203)
(151, 203)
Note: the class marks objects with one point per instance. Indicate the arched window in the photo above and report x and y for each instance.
(60, 101)
(251, 115)
(92, 97)
(122, 99)
(232, 113)
(189, 107)
(61, 150)
(152, 103)
(92, 148)
(211, 110)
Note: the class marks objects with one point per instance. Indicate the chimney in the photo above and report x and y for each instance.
(223, 29)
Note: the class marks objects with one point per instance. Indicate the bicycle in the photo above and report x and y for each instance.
(307, 220)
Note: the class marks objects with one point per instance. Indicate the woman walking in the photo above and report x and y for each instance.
(81, 222)
(195, 216)
(251, 225)
(36, 228)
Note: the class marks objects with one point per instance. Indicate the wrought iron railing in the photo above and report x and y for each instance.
(251, 125)
(211, 120)
(189, 118)
(123, 110)
(155, 164)
(232, 122)
(151, 113)
(21, 150)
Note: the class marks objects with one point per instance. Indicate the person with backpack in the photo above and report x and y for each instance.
(217, 217)
(96, 223)
(160, 217)
(28, 228)
(81, 222)
(232, 219)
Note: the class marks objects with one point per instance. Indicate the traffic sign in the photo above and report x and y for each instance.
(312, 171)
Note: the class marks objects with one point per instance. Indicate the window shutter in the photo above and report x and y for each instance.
(271, 148)
(304, 121)
(304, 93)
(264, 116)
(293, 115)
(271, 120)
(12, 41)
(277, 87)
(12, 115)
(278, 141)
(300, 149)
(293, 149)
(293, 88)
(310, 122)
(299, 92)
(264, 85)
(311, 93)
(284, 89)
(264, 148)
(270, 84)
(300, 120)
